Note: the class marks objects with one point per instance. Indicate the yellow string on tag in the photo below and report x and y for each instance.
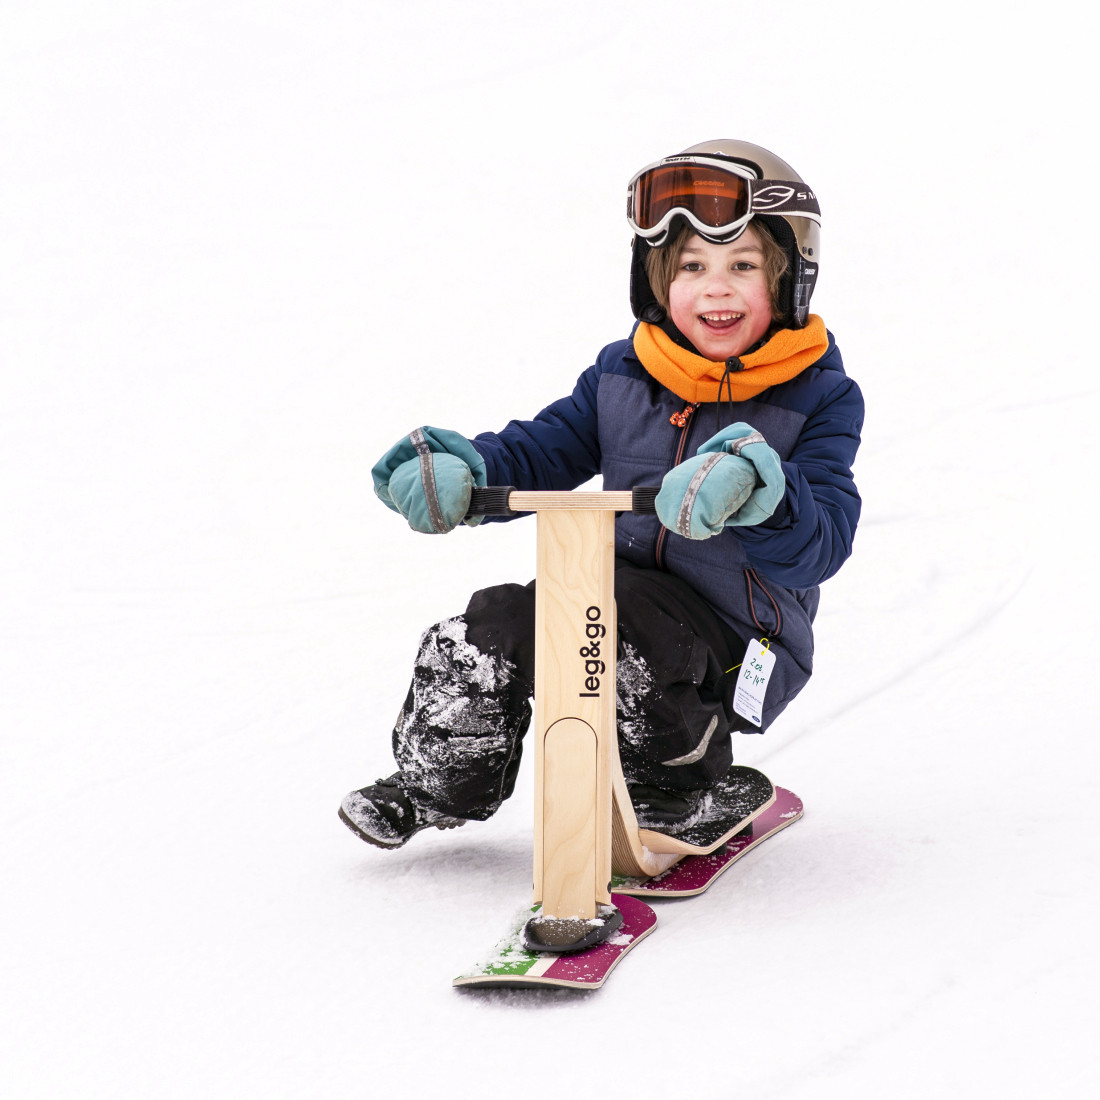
(763, 641)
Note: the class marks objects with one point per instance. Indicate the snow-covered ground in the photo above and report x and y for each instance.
(247, 245)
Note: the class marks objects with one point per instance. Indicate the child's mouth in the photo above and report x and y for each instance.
(721, 322)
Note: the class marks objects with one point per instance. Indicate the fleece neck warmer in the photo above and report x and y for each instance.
(698, 380)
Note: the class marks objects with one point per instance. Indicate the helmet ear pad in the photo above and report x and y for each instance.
(796, 284)
(642, 300)
(784, 237)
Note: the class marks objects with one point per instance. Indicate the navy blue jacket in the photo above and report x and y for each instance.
(762, 580)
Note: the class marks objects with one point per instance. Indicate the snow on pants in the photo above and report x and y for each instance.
(459, 735)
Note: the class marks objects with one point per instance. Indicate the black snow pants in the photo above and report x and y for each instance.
(458, 737)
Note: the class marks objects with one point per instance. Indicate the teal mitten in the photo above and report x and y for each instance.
(735, 480)
(427, 478)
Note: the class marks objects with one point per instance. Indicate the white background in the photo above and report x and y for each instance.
(246, 246)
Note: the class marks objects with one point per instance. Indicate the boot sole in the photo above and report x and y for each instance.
(453, 824)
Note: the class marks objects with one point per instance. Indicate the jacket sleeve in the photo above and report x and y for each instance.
(810, 536)
(558, 449)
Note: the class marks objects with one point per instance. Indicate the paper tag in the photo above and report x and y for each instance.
(752, 681)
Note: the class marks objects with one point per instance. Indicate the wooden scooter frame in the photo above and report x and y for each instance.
(585, 826)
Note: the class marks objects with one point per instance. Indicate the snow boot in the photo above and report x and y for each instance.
(384, 815)
(667, 811)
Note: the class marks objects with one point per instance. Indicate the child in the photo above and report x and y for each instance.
(732, 397)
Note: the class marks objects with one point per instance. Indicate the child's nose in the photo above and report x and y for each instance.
(719, 283)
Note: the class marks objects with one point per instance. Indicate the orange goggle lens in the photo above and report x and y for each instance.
(715, 197)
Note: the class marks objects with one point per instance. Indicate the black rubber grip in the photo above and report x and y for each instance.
(491, 501)
(643, 500)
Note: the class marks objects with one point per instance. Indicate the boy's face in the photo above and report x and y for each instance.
(719, 296)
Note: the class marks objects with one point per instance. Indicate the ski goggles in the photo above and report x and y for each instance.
(717, 198)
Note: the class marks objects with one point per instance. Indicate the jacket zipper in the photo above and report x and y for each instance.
(682, 420)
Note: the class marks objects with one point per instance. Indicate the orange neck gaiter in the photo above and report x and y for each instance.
(695, 379)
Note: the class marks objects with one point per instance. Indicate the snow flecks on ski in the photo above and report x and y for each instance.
(508, 951)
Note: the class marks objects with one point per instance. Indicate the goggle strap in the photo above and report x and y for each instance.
(784, 197)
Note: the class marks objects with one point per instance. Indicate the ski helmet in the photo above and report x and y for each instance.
(718, 187)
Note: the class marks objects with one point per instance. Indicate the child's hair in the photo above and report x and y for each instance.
(661, 264)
